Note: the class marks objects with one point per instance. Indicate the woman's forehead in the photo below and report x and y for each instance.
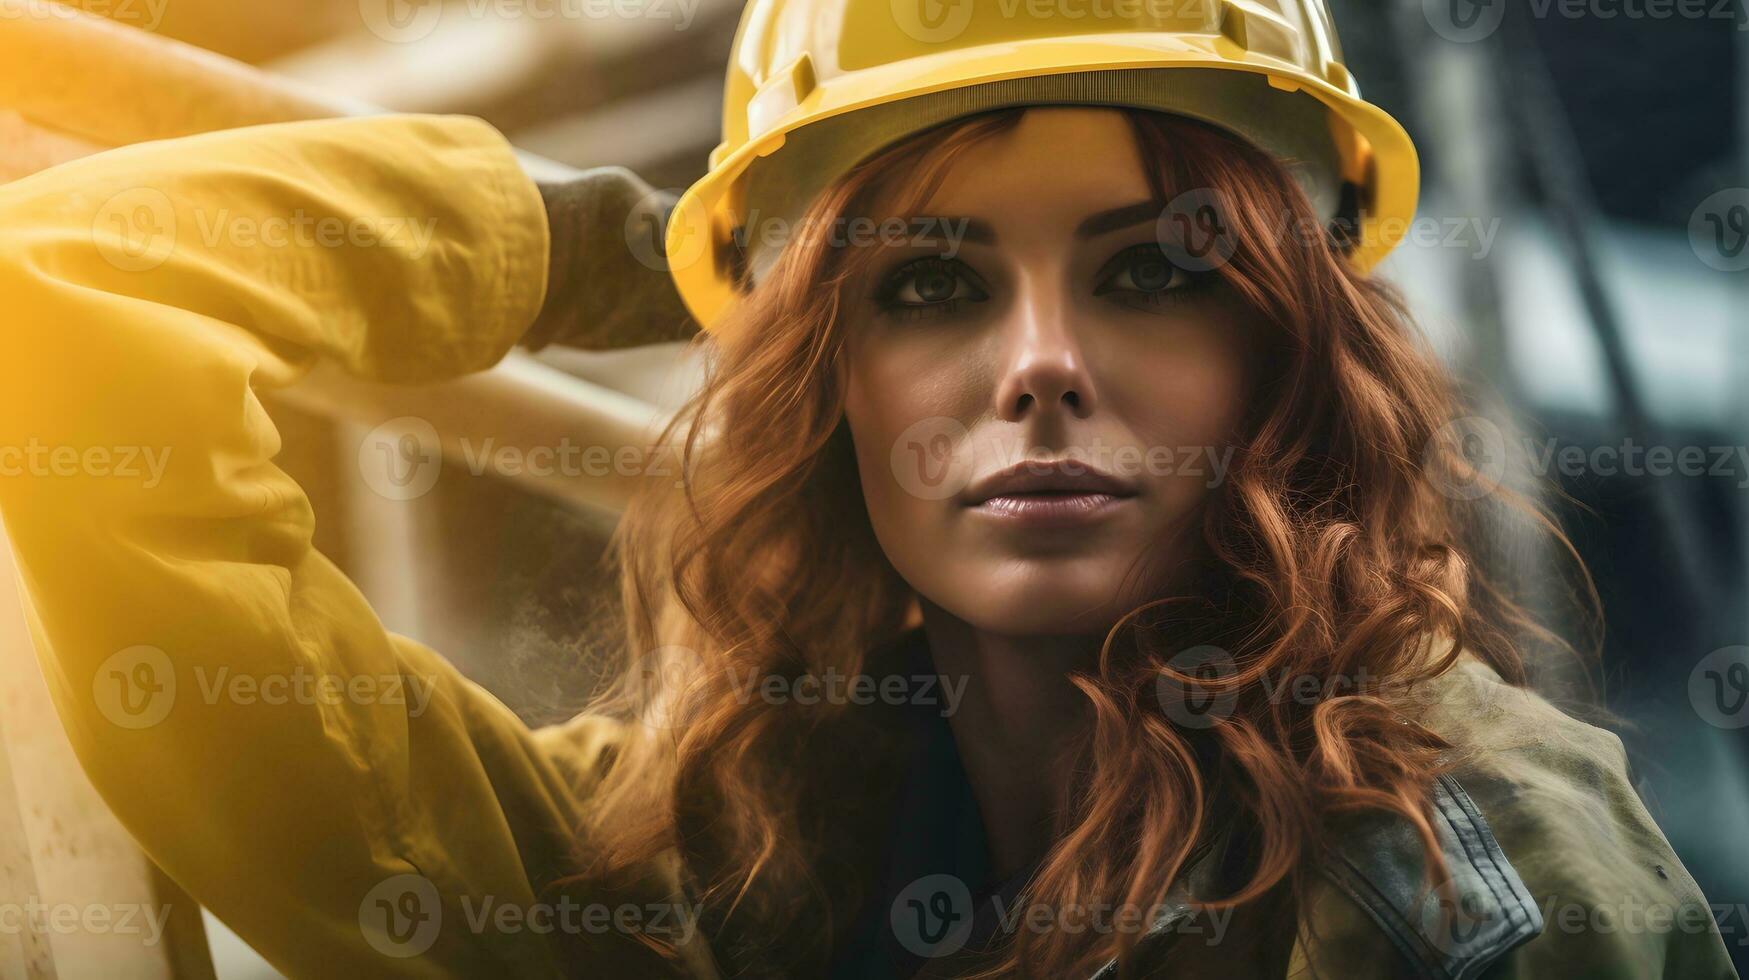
(1057, 164)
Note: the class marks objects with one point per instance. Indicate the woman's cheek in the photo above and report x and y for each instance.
(1194, 371)
(911, 411)
(1184, 402)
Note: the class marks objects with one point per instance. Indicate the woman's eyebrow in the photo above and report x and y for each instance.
(1119, 218)
(980, 232)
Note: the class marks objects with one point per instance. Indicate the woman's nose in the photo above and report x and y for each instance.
(1044, 368)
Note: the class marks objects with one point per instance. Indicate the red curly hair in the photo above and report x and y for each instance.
(1331, 553)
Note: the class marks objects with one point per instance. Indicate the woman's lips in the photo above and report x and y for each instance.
(1040, 510)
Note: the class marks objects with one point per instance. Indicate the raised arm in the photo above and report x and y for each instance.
(229, 691)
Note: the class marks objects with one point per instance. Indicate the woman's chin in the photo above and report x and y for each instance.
(1014, 601)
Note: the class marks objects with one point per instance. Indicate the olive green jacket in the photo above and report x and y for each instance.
(1559, 869)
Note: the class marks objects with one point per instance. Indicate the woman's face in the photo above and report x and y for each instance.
(1056, 333)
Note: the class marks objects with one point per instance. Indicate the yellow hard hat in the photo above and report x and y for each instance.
(816, 86)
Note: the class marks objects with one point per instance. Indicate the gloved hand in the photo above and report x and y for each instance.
(608, 284)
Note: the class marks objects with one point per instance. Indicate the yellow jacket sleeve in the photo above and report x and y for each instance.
(338, 794)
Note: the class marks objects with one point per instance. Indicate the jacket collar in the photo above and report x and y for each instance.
(1376, 859)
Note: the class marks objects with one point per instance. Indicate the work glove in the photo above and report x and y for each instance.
(608, 284)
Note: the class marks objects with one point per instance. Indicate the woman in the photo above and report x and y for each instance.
(1049, 594)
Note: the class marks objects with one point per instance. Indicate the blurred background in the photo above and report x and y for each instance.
(1580, 260)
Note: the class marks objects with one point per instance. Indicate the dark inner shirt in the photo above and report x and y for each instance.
(936, 891)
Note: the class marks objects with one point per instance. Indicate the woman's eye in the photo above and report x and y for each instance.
(1144, 270)
(929, 285)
